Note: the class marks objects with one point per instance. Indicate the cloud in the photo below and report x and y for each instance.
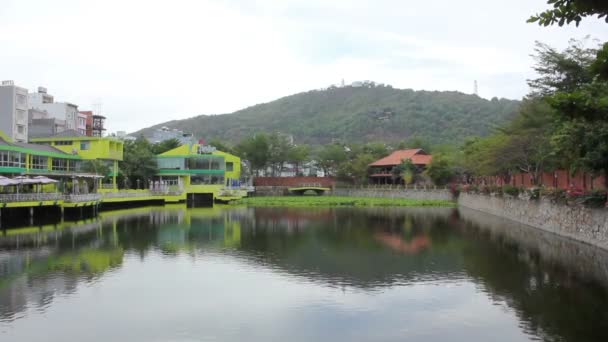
(153, 61)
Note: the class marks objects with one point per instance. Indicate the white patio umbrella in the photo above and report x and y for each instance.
(25, 180)
(45, 180)
(5, 181)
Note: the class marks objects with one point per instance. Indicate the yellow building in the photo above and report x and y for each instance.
(200, 170)
(107, 150)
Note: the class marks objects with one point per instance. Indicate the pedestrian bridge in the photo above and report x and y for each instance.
(311, 187)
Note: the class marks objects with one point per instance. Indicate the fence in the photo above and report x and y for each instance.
(561, 179)
(82, 198)
(30, 197)
(326, 182)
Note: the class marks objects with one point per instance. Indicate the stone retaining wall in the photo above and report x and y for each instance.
(271, 191)
(577, 222)
(421, 194)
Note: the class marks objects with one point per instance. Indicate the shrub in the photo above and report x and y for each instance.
(554, 194)
(533, 193)
(594, 199)
(510, 190)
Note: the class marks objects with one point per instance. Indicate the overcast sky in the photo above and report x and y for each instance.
(151, 61)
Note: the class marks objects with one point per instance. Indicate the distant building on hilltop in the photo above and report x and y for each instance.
(13, 111)
(166, 133)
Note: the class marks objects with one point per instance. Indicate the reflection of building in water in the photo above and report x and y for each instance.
(193, 228)
(34, 277)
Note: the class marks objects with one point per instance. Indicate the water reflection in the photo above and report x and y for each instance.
(344, 274)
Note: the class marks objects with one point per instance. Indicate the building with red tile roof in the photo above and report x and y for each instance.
(382, 169)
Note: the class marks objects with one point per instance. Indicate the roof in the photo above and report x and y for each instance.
(44, 150)
(69, 133)
(417, 155)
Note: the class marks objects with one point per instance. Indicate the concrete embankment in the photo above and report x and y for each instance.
(580, 223)
(577, 222)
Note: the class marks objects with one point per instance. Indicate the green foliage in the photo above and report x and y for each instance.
(338, 201)
(562, 70)
(564, 124)
(331, 157)
(359, 115)
(220, 145)
(139, 162)
(407, 171)
(481, 155)
(97, 167)
(165, 146)
(256, 150)
(358, 168)
(440, 170)
(298, 155)
(510, 190)
(568, 11)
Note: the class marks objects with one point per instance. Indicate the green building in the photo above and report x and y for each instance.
(31, 159)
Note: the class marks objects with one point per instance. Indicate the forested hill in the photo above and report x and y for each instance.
(357, 114)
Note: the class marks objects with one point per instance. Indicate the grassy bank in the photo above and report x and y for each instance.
(338, 201)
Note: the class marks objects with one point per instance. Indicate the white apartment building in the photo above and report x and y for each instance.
(13, 111)
(42, 101)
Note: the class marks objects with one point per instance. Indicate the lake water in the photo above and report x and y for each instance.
(278, 274)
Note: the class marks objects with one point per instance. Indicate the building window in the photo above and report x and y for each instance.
(229, 166)
(206, 179)
(21, 115)
(63, 143)
(85, 145)
(12, 159)
(20, 129)
(60, 164)
(39, 162)
(21, 100)
(171, 163)
(206, 163)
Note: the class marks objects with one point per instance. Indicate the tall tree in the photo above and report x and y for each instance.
(256, 150)
(298, 154)
(139, 162)
(330, 157)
